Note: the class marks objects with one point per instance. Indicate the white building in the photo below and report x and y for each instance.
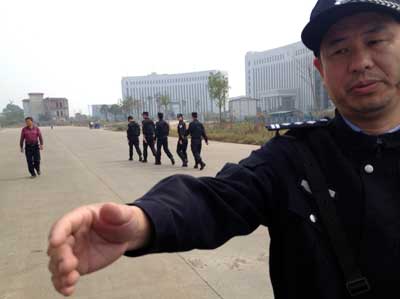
(242, 107)
(187, 92)
(285, 79)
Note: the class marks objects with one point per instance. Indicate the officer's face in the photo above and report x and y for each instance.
(360, 64)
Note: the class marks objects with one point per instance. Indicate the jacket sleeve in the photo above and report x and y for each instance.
(40, 136)
(203, 213)
(203, 133)
(189, 130)
(22, 138)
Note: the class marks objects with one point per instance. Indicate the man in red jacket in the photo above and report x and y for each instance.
(33, 139)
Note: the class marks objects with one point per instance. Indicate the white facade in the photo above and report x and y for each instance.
(188, 92)
(242, 107)
(285, 79)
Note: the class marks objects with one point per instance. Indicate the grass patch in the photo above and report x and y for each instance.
(243, 133)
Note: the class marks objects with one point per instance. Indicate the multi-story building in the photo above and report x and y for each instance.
(56, 108)
(46, 109)
(187, 92)
(285, 79)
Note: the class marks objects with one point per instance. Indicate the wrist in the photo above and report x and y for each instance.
(143, 232)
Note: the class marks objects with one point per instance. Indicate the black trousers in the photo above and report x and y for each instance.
(149, 143)
(195, 146)
(134, 143)
(181, 150)
(32, 153)
(162, 143)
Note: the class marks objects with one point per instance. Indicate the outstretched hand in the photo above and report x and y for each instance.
(91, 238)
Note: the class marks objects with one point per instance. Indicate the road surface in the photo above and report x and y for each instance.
(82, 166)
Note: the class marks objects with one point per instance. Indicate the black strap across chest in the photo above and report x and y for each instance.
(356, 284)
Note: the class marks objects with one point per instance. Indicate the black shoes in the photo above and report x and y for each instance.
(173, 161)
(140, 159)
(196, 166)
(202, 165)
(33, 176)
(157, 163)
(130, 159)
(38, 172)
(143, 161)
(184, 164)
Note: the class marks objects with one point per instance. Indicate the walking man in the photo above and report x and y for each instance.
(197, 132)
(162, 132)
(33, 139)
(133, 134)
(148, 129)
(181, 148)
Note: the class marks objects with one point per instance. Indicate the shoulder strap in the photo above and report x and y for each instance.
(356, 283)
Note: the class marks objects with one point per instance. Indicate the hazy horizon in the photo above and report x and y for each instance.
(81, 50)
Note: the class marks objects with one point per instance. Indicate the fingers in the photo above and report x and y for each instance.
(67, 226)
(66, 284)
(63, 266)
(62, 261)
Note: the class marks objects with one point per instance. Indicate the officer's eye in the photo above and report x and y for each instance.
(340, 52)
(374, 42)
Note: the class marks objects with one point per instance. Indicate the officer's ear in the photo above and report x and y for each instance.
(319, 66)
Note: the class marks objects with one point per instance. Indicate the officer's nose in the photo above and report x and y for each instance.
(361, 60)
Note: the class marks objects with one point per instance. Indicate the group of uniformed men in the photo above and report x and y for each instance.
(158, 133)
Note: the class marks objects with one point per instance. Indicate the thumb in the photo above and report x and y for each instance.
(115, 215)
(116, 223)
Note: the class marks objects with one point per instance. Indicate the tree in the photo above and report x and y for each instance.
(104, 110)
(12, 114)
(137, 105)
(218, 88)
(127, 106)
(165, 101)
(115, 110)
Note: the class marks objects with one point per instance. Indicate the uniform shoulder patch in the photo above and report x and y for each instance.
(323, 122)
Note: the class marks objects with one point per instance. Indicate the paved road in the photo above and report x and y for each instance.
(82, 166)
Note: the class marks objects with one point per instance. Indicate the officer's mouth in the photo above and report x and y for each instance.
(366, 87)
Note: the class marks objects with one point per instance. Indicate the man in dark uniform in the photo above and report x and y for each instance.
(148, 129)
(328, 191)
(133, 134)
(182, 145)
(162, 132)
(32, 137)
(197, 132)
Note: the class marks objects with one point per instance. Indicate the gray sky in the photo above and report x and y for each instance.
(80, 49)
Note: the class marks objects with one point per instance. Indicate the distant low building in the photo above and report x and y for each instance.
(242, 107)
(46, 109)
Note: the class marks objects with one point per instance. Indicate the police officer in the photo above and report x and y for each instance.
(197, 132)
(148, 129)
(133, 134)
(327, 190)
(182, 145)
(162, 132)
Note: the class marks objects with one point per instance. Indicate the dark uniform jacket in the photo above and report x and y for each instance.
(182, 131)
(162, 129)
(148, 127)
(196, 130)
(133, 131)
(363, 174)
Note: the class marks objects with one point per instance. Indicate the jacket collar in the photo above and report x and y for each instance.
(358, 141)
